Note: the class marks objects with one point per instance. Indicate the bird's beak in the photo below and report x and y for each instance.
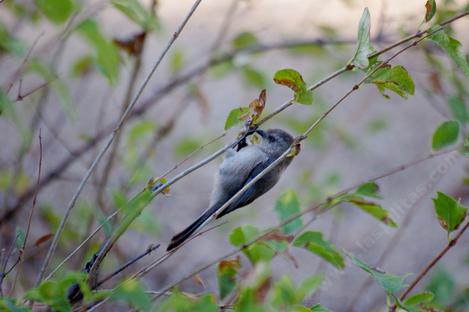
(262, 133)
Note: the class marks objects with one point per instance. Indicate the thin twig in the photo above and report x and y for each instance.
(20, 69)
(30, 217)
(149, 250)
(28, 228)
(316, 209)
(110, 140)
(157, 95)
(100, 194)
(304, 135)
(431, 264)
(390, 246)
(82, 244)
(150, 266)
(164, 257)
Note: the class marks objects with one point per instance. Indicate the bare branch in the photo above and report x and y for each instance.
(431, 264)
(149, 250)
(110, 140)
(316, 209)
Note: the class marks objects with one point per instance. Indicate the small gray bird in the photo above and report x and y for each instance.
(242, 164)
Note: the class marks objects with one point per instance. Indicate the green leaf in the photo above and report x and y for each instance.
(288, 205)
(10, 44)
(244, 40)
(319, 308)
(309, 286)
(243, 235)
(20, 237)
(377, 125)
(178, 302)
(186, 146)
(395, 79)
(222, 69)
(176, 63)
(234, 117)
(146, 223)
(458, 109)
(132, 293)
(445, 135)
(364, 47)
(284, 293)
(5, 103)
(12, 305)
(418, 298)
(227, 272)
(389, 282)
(107, 55)
(442, 285)
(430, 10)
(293, 80)
(449, 211)
(56, 11)
(59, 87)
(253, 77)
(465, 146)
(140, 131)
(53, 293)
(373, 209)
(369, 189)
(137, 13)
(256, 252)
(314, 242)
(82, 65)
(452, 47)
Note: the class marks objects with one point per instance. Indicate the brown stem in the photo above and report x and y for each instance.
(149, 250)
(316, 209)
(113, 152)
(431, 264)
(111, 138)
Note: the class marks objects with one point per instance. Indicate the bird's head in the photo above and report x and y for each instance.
(274, 141)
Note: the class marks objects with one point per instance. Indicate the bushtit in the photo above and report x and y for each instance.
(242, 164)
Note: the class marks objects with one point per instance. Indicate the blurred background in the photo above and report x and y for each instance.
(71, 86)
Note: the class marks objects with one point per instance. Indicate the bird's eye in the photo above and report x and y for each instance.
(272, 138)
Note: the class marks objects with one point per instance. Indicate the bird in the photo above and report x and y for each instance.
(241, 164)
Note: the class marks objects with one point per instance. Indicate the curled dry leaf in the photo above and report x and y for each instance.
(198, 279)
(256, 107)
(296, 149)
(233, 263)
(44, 238)
(132, 45)
(278, 236)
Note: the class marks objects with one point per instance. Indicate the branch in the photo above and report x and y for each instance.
(110, 140)
(4, 274)
(431, 264)
(386, 252)
(137, 65)
(82, 244)
(149, 250)
(166, 89)
(297, 140)
(314, 208)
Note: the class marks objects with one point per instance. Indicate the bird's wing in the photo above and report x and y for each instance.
(250, 194)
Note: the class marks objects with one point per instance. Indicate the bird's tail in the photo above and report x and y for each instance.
(181, 237)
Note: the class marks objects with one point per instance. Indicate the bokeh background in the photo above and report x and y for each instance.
(365, 136)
